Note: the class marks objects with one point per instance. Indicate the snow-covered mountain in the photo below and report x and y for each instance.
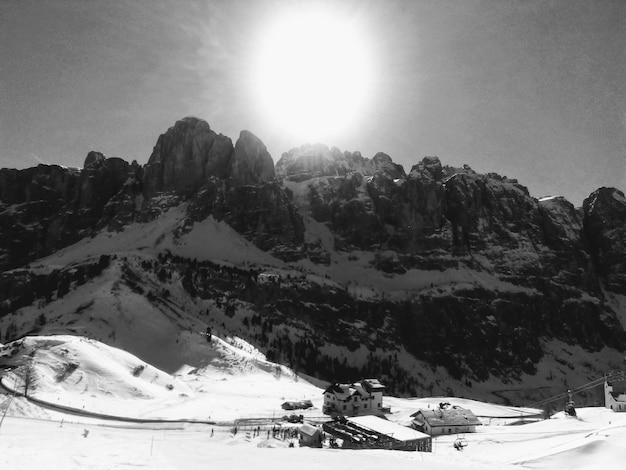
(439, 280)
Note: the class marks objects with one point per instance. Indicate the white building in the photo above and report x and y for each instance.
(359, 398)
(614, 401)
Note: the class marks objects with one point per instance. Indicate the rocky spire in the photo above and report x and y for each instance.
(604, 222)
(185, 156)
(251, 162)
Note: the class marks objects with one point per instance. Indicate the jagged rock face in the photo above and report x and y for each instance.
(251, 162)
(421, 219)
(425, 199)
(379, 207)
(314, 161)
(411, 209)
(43, 182)
(568, 257)
(605, 227)
(48, 207)
(309, 161)
(486, 213)
(262, 213)
(100, 180)
(479, 206)
(525, 241)
(383, 164)
(185, 156)
(126, 206)
(344, 205)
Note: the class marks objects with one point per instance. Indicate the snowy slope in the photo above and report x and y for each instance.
(84, 374)
(206, 240)
(239, 383)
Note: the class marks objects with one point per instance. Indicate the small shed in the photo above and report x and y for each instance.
(310, 436)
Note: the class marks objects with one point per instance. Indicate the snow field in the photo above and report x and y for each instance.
(240, 384)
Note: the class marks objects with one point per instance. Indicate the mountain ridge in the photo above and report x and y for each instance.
(353, 265)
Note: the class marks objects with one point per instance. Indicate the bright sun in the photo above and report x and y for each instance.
(313, 74)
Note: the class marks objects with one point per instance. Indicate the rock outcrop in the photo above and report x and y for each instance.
(190, 153)
(48, 207)
(100, 179)
(263, 214)
(43, 182)
(314, 161)
(251, 162)
(185, 156)
(376, 206)
(605, 228)
(308, 161)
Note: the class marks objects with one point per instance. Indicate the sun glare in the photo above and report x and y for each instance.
(313, 74)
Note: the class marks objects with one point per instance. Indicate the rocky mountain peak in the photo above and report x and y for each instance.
(308, 161)
(251, 162)
(384, 164)
(429, 168)
(94, 160)
(317, 160)
(100, 179)
(185, 156)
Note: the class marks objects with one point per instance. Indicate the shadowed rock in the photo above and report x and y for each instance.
(251, 162)
(185, 157)
(605, 227)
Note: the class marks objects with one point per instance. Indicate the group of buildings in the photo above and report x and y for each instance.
(358, 420)
(357, 410)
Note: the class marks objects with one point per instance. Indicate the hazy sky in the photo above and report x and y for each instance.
(531, 89)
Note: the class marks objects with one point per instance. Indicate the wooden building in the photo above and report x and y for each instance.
(445, 420)
(310, 436)
(373, 432)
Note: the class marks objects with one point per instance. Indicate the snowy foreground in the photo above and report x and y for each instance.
(240, 385)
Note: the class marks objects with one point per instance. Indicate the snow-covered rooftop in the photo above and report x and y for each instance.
(383, 426)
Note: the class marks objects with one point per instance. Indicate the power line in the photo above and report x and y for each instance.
(614, 376)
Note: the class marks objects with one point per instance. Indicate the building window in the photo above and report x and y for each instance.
(365, 406)
(344, 407)
(379, 405)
